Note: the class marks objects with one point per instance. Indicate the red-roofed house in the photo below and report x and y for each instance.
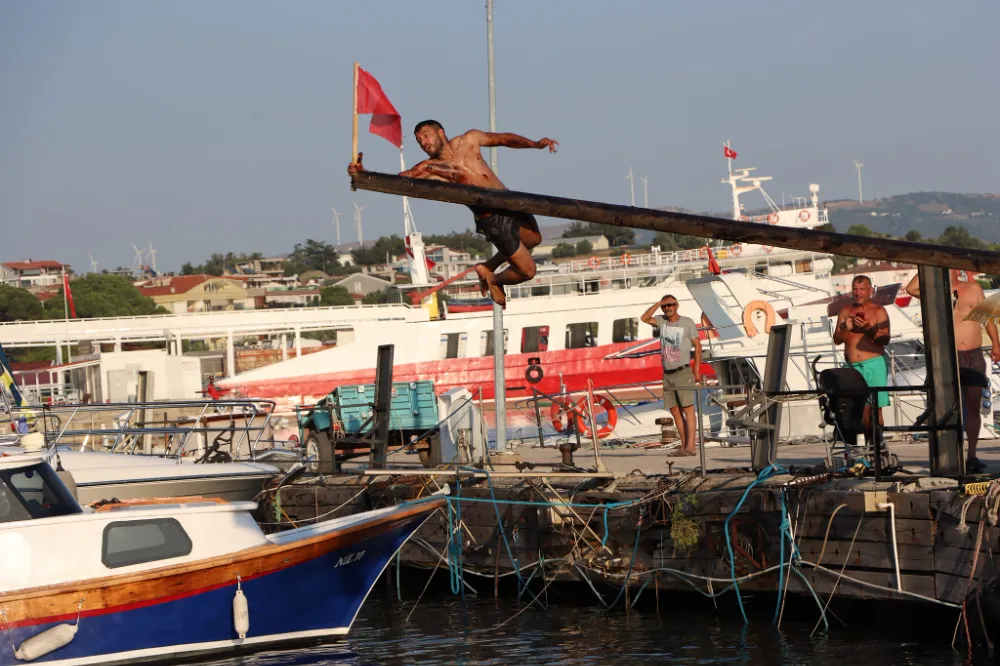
(201, 293)
(32, 274)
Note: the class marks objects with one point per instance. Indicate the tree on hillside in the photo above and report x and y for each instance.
(563, 250)
(584, 247)
(913, 236)
(335, 296)
(18, 304)
(98, 295)
(311, 255)
(960, 237)
(219, 263)
(862, 230)
(385, 247)
(616, 235)
(465, 241)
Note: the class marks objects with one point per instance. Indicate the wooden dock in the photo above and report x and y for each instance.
(804, 535)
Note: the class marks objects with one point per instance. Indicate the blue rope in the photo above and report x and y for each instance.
(763, 476)
(781, 567)
(455, 545)
(628, 576)
(496, 507)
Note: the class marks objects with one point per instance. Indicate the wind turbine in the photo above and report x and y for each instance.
(152, 255)
(631, 184)
(93, 263)
(858, 165)
(137, 260)
(336, 223)
(645, 192)
(357, 221)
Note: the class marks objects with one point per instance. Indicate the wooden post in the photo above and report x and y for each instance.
(354, 113)
(814, 240)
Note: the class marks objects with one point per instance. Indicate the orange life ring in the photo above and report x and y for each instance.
(768, 249)
(706, 326)
(626, 259)
(562, 408)
(804, 215)
(594, 262)
(758, 306)
(772, 218)
(736, 250)
(581, 414)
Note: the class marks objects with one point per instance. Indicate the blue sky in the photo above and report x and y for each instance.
(226, 125)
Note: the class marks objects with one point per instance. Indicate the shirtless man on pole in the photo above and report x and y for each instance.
(459, 160)
(967, 294)
(863, 329)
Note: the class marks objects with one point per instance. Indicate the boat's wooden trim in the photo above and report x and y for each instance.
(54, 603)
(144, 501)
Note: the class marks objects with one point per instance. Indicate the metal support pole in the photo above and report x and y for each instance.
(699, 393)
(230, 355)
(298, 342)
(944, 398)
(284, 346)
(499, 384)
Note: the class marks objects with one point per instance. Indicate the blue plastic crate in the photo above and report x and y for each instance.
(413, 406)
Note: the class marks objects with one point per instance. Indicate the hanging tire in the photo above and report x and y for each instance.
(319, 449)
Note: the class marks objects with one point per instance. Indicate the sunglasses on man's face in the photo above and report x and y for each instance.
(670, 305)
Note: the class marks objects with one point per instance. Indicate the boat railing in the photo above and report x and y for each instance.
(205, 430)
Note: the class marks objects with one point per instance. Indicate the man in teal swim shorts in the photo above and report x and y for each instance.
(863, 329)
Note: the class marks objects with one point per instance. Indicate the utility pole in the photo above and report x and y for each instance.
(499, 383)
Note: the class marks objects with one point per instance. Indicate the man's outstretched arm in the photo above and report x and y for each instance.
(508, 140)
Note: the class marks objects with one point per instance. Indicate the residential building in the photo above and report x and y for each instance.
(202, 293)
(360, 285)
(292, 298)
(545, 248)
(269, 266)
(32, 274)
(447, 262)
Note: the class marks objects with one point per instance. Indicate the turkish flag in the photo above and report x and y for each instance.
(728, 152)
(386, 122)
(68, 295)
(713, 266)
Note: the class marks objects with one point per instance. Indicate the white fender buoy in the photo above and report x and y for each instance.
(41, 644)
(241, 612)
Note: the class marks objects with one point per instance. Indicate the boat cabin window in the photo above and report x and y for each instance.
(534, 339)
(453, 345)
(129, 542)
(625, 330)
(581, 335)
(488, 342)
(33, 492)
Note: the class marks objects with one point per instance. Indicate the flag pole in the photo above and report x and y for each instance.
(354, 111)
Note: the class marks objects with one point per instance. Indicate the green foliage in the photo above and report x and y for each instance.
(219, 263)
(18, 304)
(466, 241)
(563, 250)
(862, 230)
(335, 296)
(311, 255)
(960, 237)
(386, 246)
(913, 236)
(376, 297)
(584, 247)
(616, 235)
(99, 295)
(683, 528)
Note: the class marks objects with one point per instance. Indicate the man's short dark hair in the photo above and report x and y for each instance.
(668, 296)
(428, 123)
(861, 278)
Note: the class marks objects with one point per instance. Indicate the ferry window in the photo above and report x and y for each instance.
(488, 342)
(534, 339)
(581, 335)
(137, 541)
(625, 330)
(453, 344)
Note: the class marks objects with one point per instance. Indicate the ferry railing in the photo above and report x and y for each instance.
(246, 422)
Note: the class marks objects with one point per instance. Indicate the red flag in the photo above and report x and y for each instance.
(386, 122)
(713, 266)
(729, 152)
(409, 251)
(68, 295)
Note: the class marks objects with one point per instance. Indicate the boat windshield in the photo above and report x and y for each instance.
(31, 492)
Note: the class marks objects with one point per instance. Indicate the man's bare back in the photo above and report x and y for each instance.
(966, 296)
(460, 160)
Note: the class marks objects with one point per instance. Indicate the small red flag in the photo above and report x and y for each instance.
(68, 295)
(713, 266)
(728, 152)
(386, 122)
